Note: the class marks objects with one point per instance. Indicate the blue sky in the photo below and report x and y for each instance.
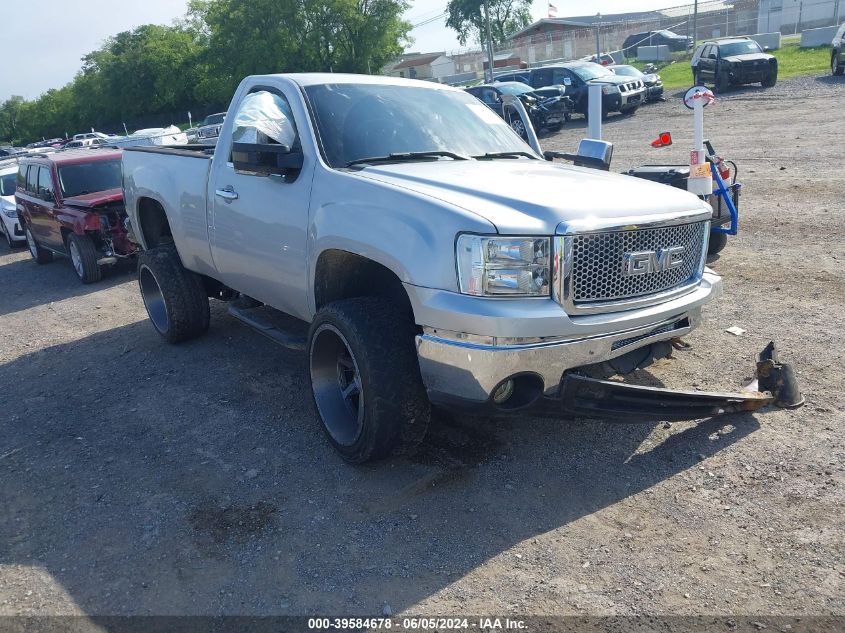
(46, 39)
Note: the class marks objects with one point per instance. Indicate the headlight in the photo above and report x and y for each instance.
(503, 266)
(11, 212)
(609, 90)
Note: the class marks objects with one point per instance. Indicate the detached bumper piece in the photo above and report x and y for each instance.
(581, 396)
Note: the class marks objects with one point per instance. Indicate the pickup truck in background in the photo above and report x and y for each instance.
(436, 259)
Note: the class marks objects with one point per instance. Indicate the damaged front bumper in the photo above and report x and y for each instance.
(581, 396)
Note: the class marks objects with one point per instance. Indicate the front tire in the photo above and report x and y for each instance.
(83, 256)
(722, 83)
(518, 126)
(39, 254)
(365, 379)
(717, 243)
(770, 80)
(835, 68)
(174, 297)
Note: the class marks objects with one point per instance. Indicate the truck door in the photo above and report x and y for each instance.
(258, 222)
(51, 234)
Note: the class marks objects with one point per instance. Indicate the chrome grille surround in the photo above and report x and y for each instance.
(588, 263)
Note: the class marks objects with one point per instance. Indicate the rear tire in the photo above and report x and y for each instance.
(365, 379)
(39, 254)
(83, 255)
(174, 297)
(717, 242)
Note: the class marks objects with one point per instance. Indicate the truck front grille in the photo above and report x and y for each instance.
(598, 276)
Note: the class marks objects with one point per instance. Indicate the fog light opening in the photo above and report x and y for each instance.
(503, 392)
(518, 391)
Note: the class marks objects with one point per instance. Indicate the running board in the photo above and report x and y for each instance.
(774, 384)
(248, 317)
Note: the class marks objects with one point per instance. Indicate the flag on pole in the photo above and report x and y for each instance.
(552, 10)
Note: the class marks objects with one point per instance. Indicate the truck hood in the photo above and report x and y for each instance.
(748, 57)
(95, 199)
(534, 196)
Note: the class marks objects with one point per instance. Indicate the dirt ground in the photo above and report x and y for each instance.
(142, 478)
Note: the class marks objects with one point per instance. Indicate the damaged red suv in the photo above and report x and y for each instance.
(71, 203)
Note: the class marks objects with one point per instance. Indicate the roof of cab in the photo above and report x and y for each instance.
(73, 156)
(316, 79)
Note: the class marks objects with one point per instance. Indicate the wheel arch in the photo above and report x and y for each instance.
(154, 226)
(341, 274)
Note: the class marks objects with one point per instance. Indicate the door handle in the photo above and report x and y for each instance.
(227, 193)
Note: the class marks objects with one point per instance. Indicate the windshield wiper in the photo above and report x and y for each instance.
(407, 156)
(514, 154)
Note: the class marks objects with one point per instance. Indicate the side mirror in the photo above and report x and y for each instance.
(591, 153)
(264, 159)
(567, 81)
(47, 196)
(765, 49)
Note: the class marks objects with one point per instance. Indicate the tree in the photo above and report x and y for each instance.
(466, 17)
(10, 115)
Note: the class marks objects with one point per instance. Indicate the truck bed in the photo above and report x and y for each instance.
(192, 151)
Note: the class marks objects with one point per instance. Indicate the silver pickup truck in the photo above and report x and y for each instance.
(438, 259)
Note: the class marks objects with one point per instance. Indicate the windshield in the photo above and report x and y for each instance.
(591, 71)
(7, 184)
(77, 180)
(627, 71)
(356, 121)
(739, 48)
(513, 89)
(671, 35)
(213, 119)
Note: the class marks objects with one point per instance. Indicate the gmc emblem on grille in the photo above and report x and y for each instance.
(647, 262)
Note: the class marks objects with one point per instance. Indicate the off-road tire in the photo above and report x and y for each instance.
(696, 78)
(183, 298)
(836, 68)
(90, 272)
(396, 408)
(721, 83)
(39, 254)
(770, 80)
(717, 243)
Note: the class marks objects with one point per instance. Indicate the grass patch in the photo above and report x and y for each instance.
(792, 62)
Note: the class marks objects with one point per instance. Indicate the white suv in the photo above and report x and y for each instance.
(9, 224)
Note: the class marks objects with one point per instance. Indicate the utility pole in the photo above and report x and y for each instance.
(489, 43)
(695, 25)
(598, 39)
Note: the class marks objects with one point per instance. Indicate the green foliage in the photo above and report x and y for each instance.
(466, 17)
(197, 63)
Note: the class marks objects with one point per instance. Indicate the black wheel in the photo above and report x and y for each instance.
(629, 110)
(175, 298)
(83, 255)
(697, 80)
(770, 80)
(365, 378)
(39, 254)
(722, 83)
(8, 235)
(835, 68)
(717, 242)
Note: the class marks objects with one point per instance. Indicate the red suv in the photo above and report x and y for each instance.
(71, 203)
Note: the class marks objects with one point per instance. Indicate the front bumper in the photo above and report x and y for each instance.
(465, 367)
(633, 98)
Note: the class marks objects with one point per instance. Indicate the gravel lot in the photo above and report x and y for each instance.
(142, 478)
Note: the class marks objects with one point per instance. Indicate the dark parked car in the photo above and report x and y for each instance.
(837, 52)
(619, 94)
(545, 112)
(733, 62)
(674, 41)
(653, 82)
(71, 203)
